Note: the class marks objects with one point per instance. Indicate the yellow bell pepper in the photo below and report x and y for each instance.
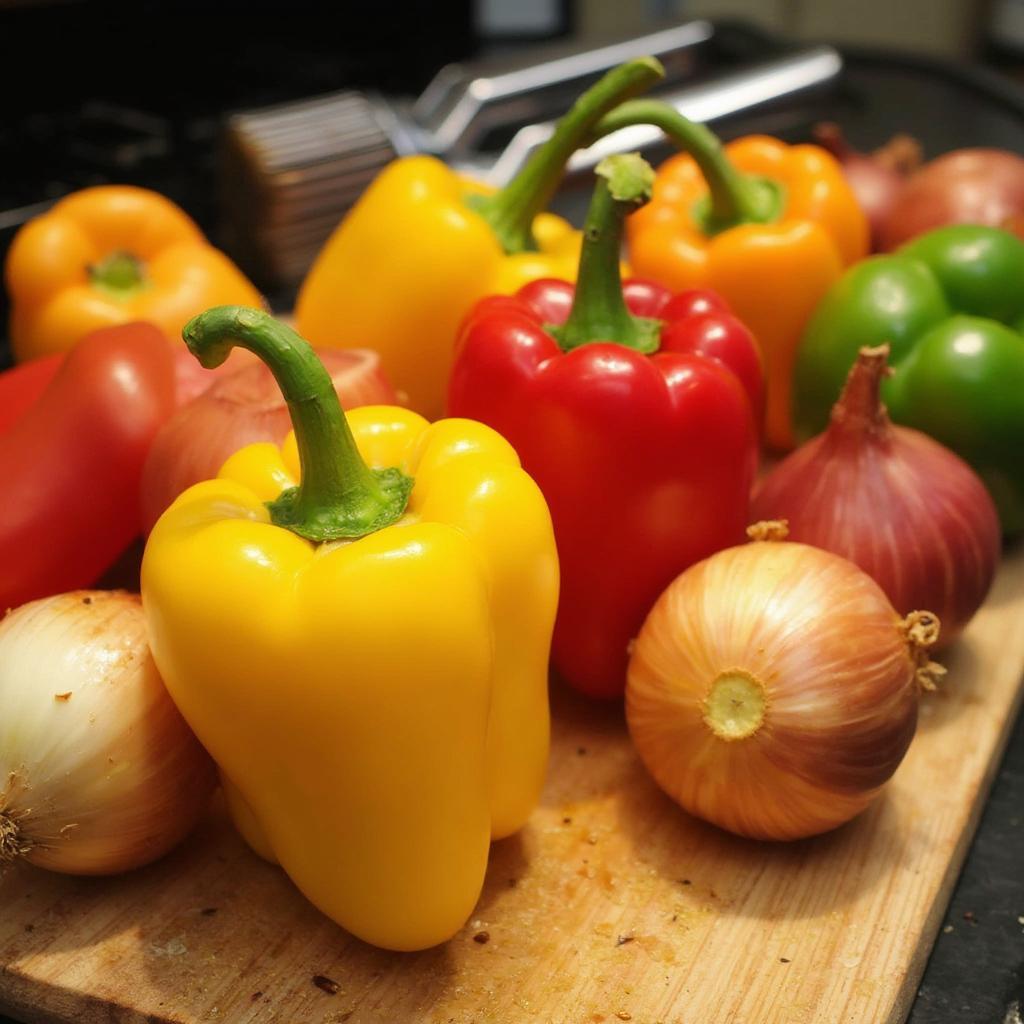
(363, 654)
(423, 245)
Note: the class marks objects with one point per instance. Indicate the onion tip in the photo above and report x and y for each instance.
(769, 529)
(921, 630)
(12, 843)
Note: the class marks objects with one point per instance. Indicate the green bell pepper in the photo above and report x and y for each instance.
(951, 305)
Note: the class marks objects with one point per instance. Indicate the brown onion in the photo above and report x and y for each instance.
(237, 409)
(907, 510)
(967, 186)
(773, 689)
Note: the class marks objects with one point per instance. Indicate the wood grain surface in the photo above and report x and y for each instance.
(612, 905)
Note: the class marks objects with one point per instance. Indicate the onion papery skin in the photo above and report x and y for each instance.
(838, 677)
(98, 771)
(238, 409)
(911, 513)
(967, 186)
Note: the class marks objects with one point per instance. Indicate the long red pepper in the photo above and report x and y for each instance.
(71, 462)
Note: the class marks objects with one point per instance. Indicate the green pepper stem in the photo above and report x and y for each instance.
(339, 495)
(120, 273)
(735, 198)
(599, 311)
(511, 211)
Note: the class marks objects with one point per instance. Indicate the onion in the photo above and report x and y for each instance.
(238, 409)
(907, 510)
(192, 379)
(773, 689)
(967, 186)
(98, 771)
(877, 179)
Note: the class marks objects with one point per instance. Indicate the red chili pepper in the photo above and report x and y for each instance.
(22, 386)
(71, 462)
(634, 411)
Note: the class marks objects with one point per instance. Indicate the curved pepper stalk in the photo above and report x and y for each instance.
(339, 495)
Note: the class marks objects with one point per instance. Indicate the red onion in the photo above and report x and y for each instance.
(237, 409)
(192, 379)
(909, 512)
(877, 179)
(968, 186)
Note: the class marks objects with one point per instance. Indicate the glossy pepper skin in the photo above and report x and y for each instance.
(767, 226)
(423, 244)
(110, 255)
(393, 680)
(951, 305)
(72, 461)
(22, 386)
(644, 445)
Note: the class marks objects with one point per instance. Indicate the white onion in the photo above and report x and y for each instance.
(98, 771)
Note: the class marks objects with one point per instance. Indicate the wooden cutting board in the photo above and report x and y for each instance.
(612, 905)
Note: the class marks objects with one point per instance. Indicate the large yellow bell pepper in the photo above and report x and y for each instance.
(422, 245)
(365, 654)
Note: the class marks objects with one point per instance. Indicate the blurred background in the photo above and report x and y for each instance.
(175, 95)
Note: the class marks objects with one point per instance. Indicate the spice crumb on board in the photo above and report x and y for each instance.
(623, 1015)
(482, 938)
(623, 939)
(969, 916)
(947, 929)
(784, 960)
(256, 995)
(325, 984)
(63, 696)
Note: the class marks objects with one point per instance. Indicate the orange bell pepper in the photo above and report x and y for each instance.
(768, 226)
(110, 255)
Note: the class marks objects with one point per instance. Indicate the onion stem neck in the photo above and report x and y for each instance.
(860, 408)
(12, 843)
(768, 530)
(735, 706)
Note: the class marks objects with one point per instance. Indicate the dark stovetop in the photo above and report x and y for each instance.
(975, 974)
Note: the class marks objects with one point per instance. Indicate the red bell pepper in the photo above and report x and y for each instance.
(634, 411)
(71, 462)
